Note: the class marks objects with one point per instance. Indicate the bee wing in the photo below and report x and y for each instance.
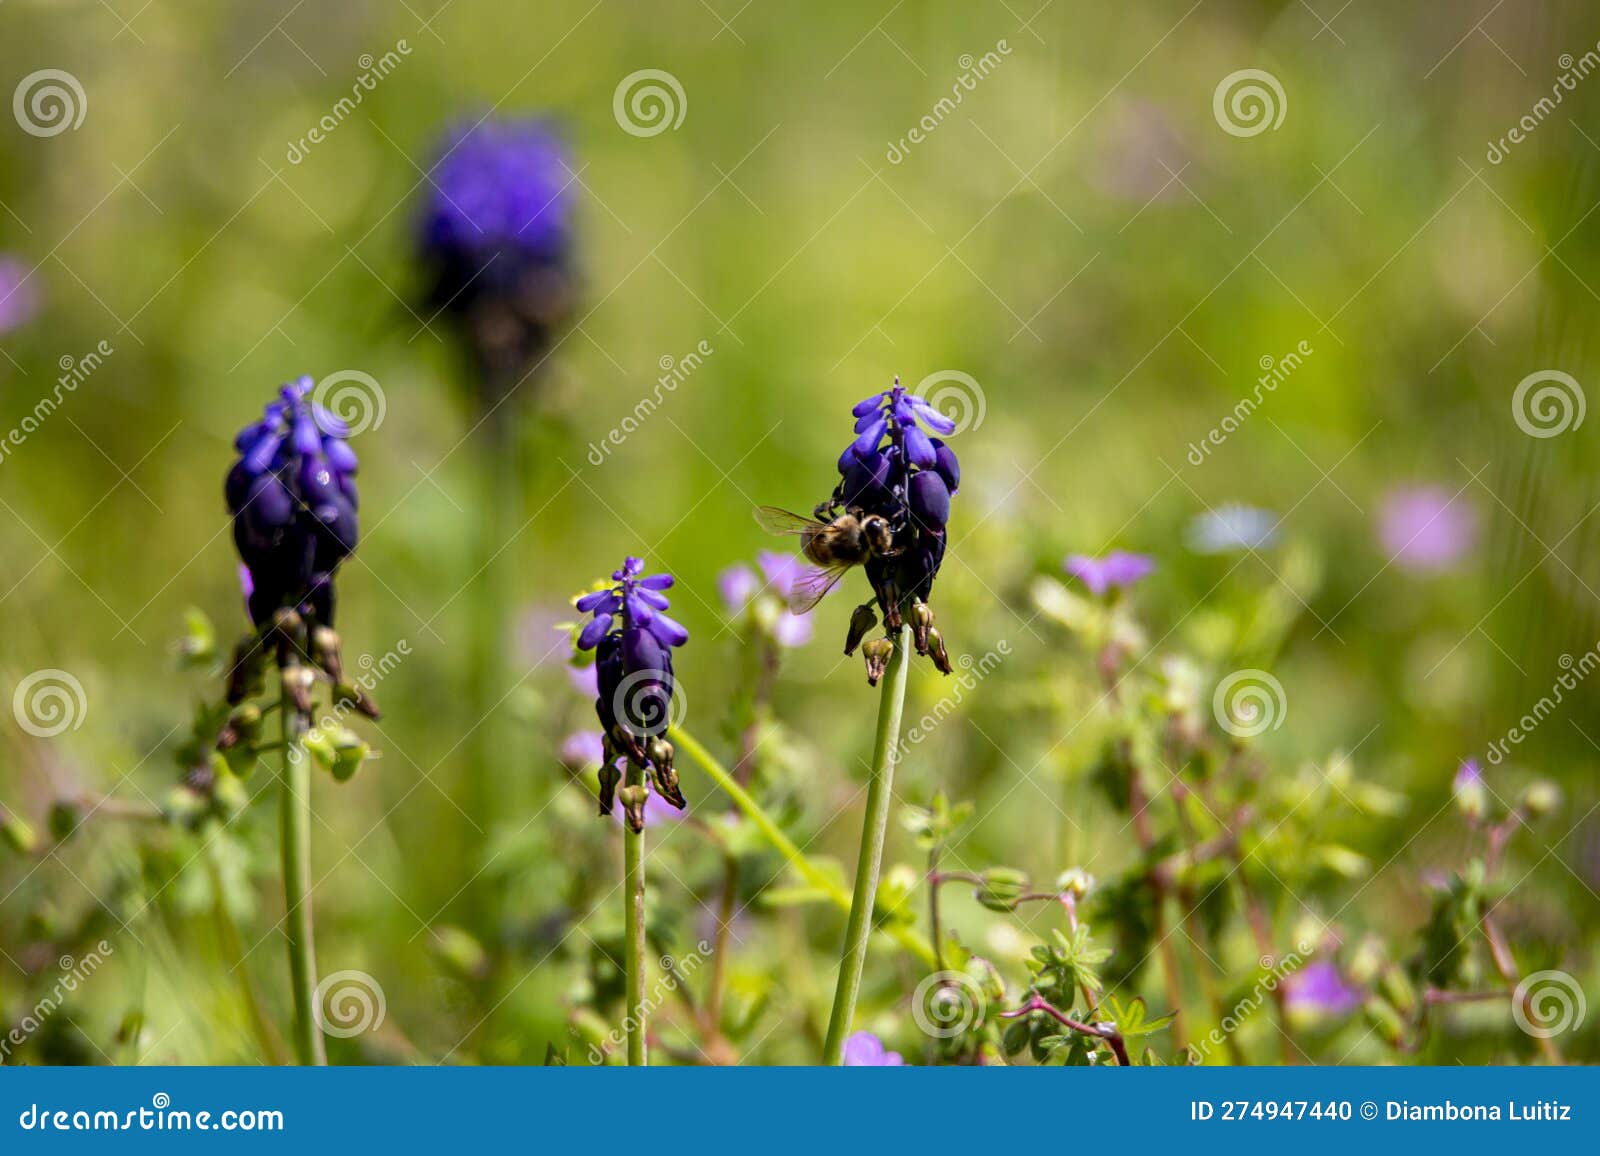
(812, 585)
(774, 520)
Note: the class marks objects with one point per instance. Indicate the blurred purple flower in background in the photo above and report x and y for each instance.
(739, 586)
(865, 1050)
(1319, 990)
(582, 750)
(496, 238)
(1111, 571)
(1424, 530)
(19, 300)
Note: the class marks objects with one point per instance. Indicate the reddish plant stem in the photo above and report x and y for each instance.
(1106, 1032)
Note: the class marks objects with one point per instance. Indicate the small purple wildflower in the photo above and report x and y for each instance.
(292, 494)
(781, 575)
(19, 300)
(1319, 990)
(585, 679)
(865, 1050)
(1470, 792)
(496, 235)
(1424, 529)
(1114, 571)
(583, 749)
(633, 639)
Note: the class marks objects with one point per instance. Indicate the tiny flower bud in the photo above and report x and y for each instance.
(17, 834)
(245, 674)
(1472, 798)
(325, 652)
(298, 682)
(1540, 798)
(349, 752)
(352, 697)
(63, 820)
(861, 622)
(609, 778)
(230, 795)
(633, 799)
(876, 653)
(935, 649)
(1075, 881)
(1001, 889)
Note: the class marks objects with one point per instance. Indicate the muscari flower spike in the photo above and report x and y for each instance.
(898, 467)
(292, 495)
(496, 238)
(633, 640)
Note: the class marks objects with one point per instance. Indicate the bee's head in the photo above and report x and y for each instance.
(879, 534)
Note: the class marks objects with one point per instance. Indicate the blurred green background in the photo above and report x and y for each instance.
(1080, 235)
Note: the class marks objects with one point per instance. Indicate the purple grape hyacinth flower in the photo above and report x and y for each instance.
(633, 640)
(1114, 571)
(496, 237)
(292, 494)
(1426, 530)
(19, 300)
(1319, 990)
(896, 481)
(865, 1050)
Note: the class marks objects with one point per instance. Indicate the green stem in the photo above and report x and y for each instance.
(633, 952)
(814, 876)
(874, 828)
(296, 846)
(491, 609)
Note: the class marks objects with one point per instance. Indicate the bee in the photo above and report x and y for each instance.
(833, 545)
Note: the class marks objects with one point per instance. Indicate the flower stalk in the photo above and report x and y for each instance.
(634, 944)
(880, 781)
(295, 835)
